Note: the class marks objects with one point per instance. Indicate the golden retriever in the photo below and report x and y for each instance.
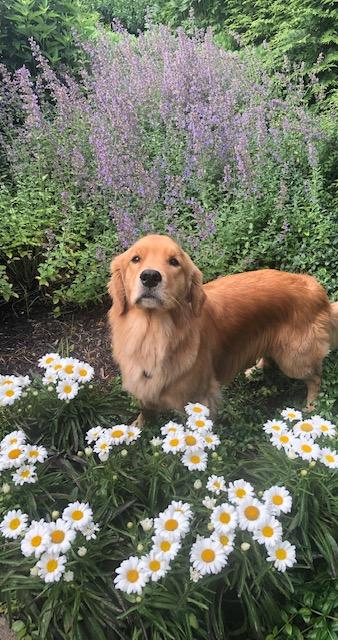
(177, 340)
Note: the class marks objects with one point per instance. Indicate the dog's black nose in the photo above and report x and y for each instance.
(150, 278)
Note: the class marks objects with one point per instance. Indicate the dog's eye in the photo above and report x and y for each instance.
(173, 262)
(136, 259)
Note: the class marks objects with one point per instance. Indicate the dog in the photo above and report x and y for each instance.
(177, 340)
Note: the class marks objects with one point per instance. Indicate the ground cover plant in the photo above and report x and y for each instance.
(112, 493)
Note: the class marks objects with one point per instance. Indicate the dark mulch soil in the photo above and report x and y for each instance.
(81, 334)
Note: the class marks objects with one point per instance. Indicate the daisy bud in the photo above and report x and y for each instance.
(90, 386)
(124, 453)
(312, 463)
(156, 454)
(50, 388)
(88, 451)
(147, 524)
(81, 551)
(210, 526)
(55, 514)
(139, 547)
(214, 455)
(68, 576)
(35, 393)
(138, 599)
(130, 525)
(291, 455)
(29, 406)
(19, 410)
(303, 473)
(245, 546)
(260, 493)
(80, 454)
(34, 571)
(197, 484)
(114, 477)
(24, 394)
(5, 488)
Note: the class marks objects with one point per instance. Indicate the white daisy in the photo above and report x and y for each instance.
(274, 426)
(329, 458)
(269, 532)
(50, 377)
(226, 540)
(192, 440)
(51, 566)
(14, 455)
(35, 453)
(196, 409)
(181, 507)
(224, 518)
(35, 540)
(90, 531)
(93, 434)
(201, 424)
(131, 576)
(8, 395)
(208, 556)
(147, 524)
(239, 491)
(195, 576)
(155, 565)
(23, 381)
(283, 555)
(278, 500)
(251, 514)
(61, 534)
(68, 367)
(195, 460)
(14, 438)
(48, 360)
(25, 474)
(306, 429)
(67, 389)
(13, 524)
(171, 523)
(211, 441)
(171, 427)
(156, 442)
(325, 427)
(83, 372)
(117, 434)
(216, 484)
(79, 514)
(9, 381)
(165, 547)
(209, 503)
(173, 443)
(102, 447)
(133, 433)
(283, 440)
(307, 449)
(291, 414)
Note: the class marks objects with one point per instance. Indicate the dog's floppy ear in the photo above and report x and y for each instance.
(116, 287)
(196, 293)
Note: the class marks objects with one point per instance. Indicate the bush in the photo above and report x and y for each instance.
(131, 14)
(165, 133)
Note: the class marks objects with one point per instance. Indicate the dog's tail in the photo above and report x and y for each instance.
(334, 325)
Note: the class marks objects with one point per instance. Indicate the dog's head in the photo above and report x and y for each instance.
(155, 273)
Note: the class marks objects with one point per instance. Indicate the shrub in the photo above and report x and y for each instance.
(130, 14)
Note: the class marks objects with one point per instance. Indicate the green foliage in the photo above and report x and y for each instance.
(50, 23)
(131, 14)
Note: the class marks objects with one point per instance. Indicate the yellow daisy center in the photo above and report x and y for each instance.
(240, 493)
(267, 532)
(190, 441)
(199, 423)
(197, 410)
(224, 540)
(14, 524)
(224, 517)
(171, 524)
(25, 474)
(154, 565)
(14, 453)
(103, 446)
(307, 427)
(275, 427)
(217, 484)
(118, 433)
(131, 434)
(51, 565)
(57, 367)
(33, 453)
(49, 360)
(208, 439)
(69, 368)
(9, 393)
(67, 388)
(281, 554)
(291, 414)
(329, 457)
(208, 555)
(195, 459)
(284, 439)
(252, 513)
(7, 381)
(324, 427)
(172, 430)
(277, 500)
(165, 545)
(174, 442)
(132, 575)
(83, 372)
(57, 536)
(77, 514)
(36, 541)
(306, 448)
(13, 441)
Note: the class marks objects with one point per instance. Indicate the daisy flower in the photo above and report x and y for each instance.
(51, 566)
(35, 540)
(226, 540)
(9, 381)
(90, 531)
(156, 442)
(13, 524)
(325, 427)
(56, 367)
(8, 395)
(239, 491)
(14, 455)
(274, 426)
(131, 576)
(278, 500)
(171, 523)
(196, 409)
(23, 381)
(283, 555)
(102, 447)
(48, 360)
(147, 524)
(79, 514)
(177, 506)
(14, 438)
(94, 433)
(67, 389)
(224, 518)
(251, 514)
(269, 532)
(192, 440)
(61, 534)
(171, 427)
(118, 434)
(173, 442)
(68, 367)
(209, 503)
(195, 576)
(211, 441)
(155, 565)
(200, 424)
(133, 434)
(195, 460)
(35, 453)
(307, 449)
(26, 473)
(329, 458)
(216, 484)
(50, 377)
(306, 428)
(83, 372)
(291, 414)
(282, 440)
(208, 556)
(165, 547)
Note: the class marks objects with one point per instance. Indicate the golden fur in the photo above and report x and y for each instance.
(179, 344)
